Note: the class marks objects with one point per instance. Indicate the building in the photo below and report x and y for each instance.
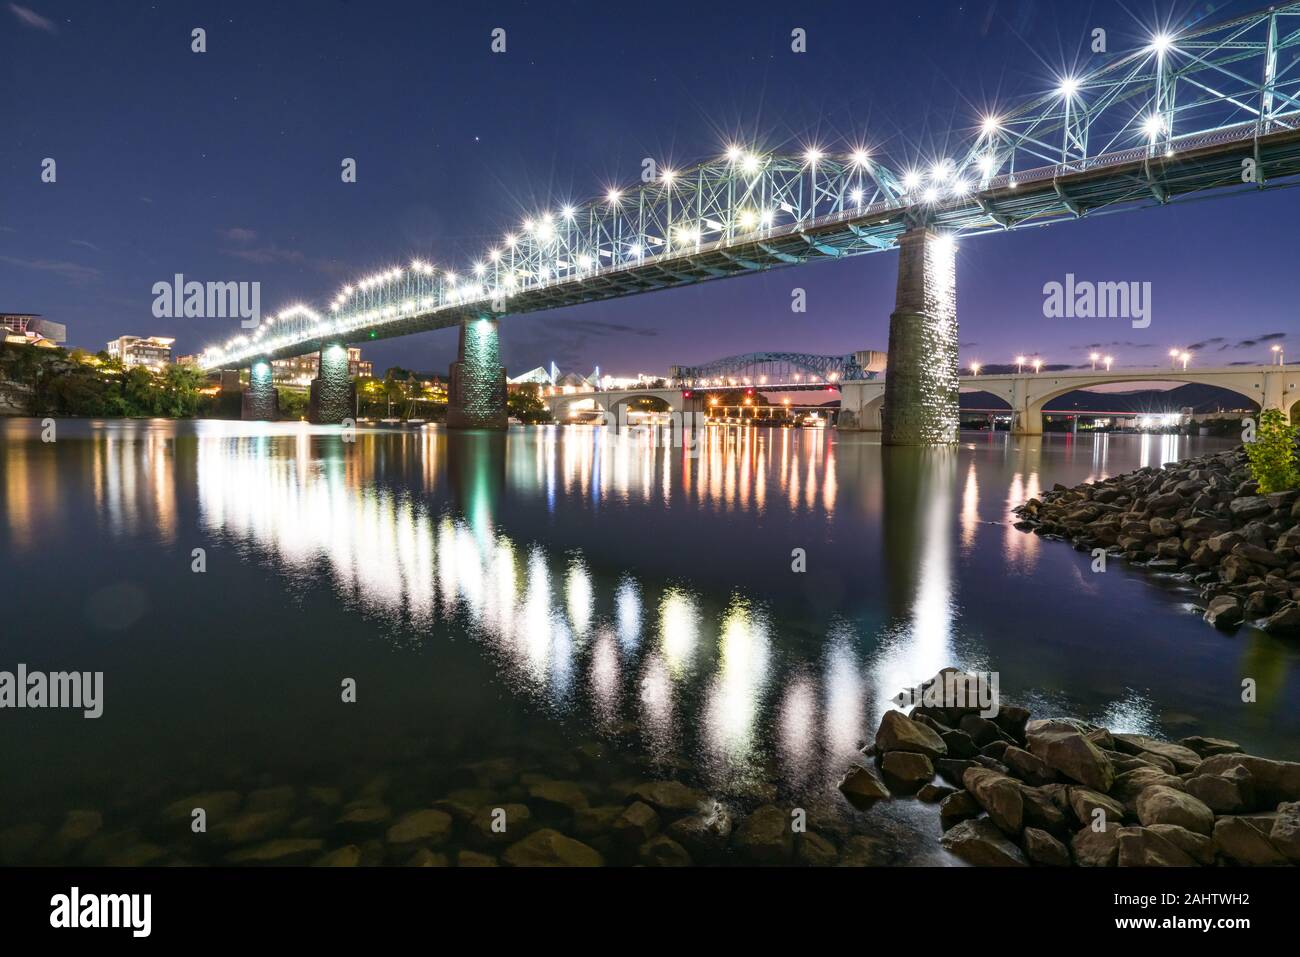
(151, 352)
(26, 328)
(300, 370)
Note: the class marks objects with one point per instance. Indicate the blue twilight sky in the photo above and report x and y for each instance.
(225, 165)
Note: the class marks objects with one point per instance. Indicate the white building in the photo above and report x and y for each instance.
(152, 352)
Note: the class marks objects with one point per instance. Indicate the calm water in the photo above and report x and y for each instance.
(566, 605)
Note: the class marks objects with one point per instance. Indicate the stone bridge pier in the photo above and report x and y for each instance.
(921, 379)
(259, 401)
(476, 393)
(333, 396)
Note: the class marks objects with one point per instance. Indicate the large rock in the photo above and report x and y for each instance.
(1142, 847)
(1070, 753)
(1208, 747)
(1165, 805)
(663, 851)
(282, 852)
(1129, 785)
(1183, 759)
(765, 837)
(1243, 841)
(1224, 611)
(429, 826)
(1275, 781)
(1229, 793)
(1096, 848)
(1285, 834)
(906, 771)
(981, 843)
(1028, 766)
(1198, 847)
(637, 824)
(898, 732)
(861, 786)
(671, 797)
(556, 797)
(1045, 850)
(1085, 801)
(957, 807)
(1000, 796)
(705, 832)
(550, 848)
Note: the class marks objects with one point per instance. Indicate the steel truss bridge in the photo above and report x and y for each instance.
(1217, 108)
(769, 370)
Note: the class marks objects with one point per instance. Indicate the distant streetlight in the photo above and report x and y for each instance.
(1173, 357)
(974, 368)
(1108, 360)
(1038, 364)
(1020, 361)
(1184, 357)
(1094, 357)
(1278, 352)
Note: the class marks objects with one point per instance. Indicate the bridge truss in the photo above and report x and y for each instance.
(770, 369)
(1213, 108)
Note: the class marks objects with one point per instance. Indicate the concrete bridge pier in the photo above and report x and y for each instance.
(333, 396)
(260, 400)
(476, 393)
(921, 380)
(1026, 415)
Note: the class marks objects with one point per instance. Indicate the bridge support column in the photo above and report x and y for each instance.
(921, 378)
(476, 394)
(260, 400)
(860, 407)
(1276, 394)
(333, 395)
(1026, 419)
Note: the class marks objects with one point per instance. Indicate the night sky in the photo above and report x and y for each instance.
(225, 166)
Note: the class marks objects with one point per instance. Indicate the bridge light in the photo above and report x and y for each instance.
(1093, 357)
(1020, 361)
(813, 155)
(1154, 126)
(568, 212)
(861, 157)
(856, 196)
(750, 163)
(478, 269)
(1108, 360)
(1038, 365)
(1161, 42)
(960, 188)
(494, 255)
(974, 368)
(613, 196)
(1185, 357)
(747, 219)
(734, 153)
(667, 176)
(634, 249)
(988, 164)
(767, 217)
(991, 125)
(911, 180)
(931, 195)
(1069, 86)
(347, 290)
(941, 170)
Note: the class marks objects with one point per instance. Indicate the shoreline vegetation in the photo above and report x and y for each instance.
(1226, 522)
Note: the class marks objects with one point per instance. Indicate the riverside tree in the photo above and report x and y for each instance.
(1272, 456)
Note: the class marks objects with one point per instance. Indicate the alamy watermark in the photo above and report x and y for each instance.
(57, 689)
(956, 689)
(179, 299)
(678, 430)
(1083, 299)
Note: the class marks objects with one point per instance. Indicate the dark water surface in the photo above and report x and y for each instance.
(560, 604)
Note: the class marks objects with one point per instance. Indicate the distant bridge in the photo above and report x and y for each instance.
(770, 369)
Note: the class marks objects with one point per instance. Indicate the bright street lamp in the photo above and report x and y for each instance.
(1173, 357)
(1094, 357)
(1108, 360)
(1020, 361)
(1184, 357)
(1278, 351)
(974, 368)
(1038, 365)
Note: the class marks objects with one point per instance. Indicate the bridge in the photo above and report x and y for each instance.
(863, 401)
(1214, 110)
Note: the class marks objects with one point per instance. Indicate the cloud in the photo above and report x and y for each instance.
(1250, 343)
(238, 234)
(88, 245)
(271, 255)
(74, 272)
(30, 18)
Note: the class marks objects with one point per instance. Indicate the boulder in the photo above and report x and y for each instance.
(1229, 793)
(1141, 847)
(980, 843)
(1070, 753)
(663, 851)
(906, 771)
(1096, 848)
(1183, 759)
(1208, 747)
(897, 732)
(1130, 784)
(556, 797)
(1225, 611)
(1085, 801)
(861, 786)
(549, 848)
(636, 824)
(1198, 847)
(705, 832)
(1000, 796)
(1027, 766)
(814, 850)
(957, 807)
(281, 852)
(1043, 849)
(1275, 781)
(1285, 833)
(428, 826)
(1243, 841)
(934, 793)
(765, 836)
(1165, 805)
(671, 797)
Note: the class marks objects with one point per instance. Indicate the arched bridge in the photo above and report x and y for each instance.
(1210, 109)
(770, 369)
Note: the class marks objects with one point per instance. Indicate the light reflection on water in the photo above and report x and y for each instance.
(608, 581)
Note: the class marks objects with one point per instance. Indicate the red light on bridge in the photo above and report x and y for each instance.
(686, 394)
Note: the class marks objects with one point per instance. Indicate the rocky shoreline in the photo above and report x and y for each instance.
(1059, 792)
(1202, 519)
